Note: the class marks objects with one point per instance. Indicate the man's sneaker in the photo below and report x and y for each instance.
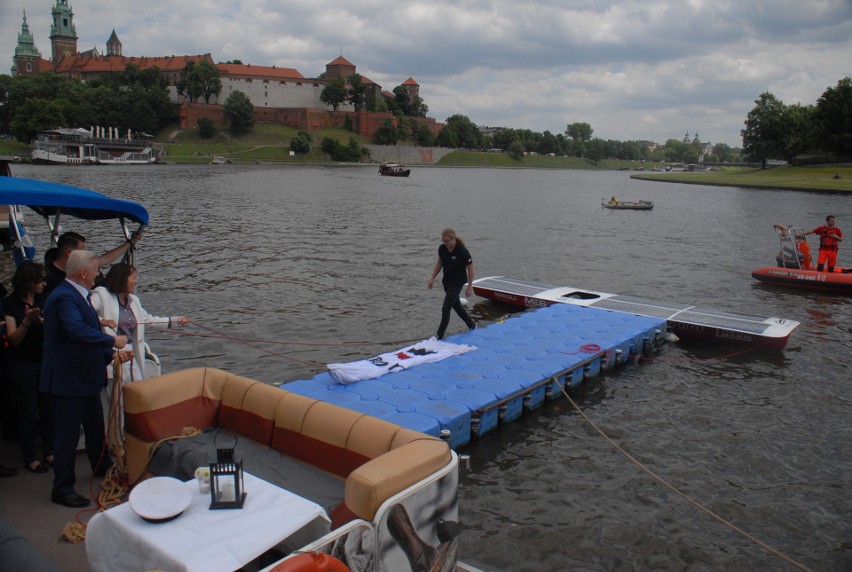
(473, 327)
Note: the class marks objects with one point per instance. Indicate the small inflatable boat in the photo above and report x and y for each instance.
(795, 269)
(628, 205)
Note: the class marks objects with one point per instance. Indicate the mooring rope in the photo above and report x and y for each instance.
(681, 494)
(219, 335)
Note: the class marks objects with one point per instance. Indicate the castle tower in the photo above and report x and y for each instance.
(63, 35)
(341, 67)
(27, 57)
(412, 87)
(113, 45)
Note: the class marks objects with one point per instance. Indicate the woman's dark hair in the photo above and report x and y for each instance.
(116, 278)
(27, 275)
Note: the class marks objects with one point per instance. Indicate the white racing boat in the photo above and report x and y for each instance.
(688, 322)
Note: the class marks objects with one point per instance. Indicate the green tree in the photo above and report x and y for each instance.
(206, 130)
(301, 142)
(402, 99)
(503, 138)
(34, 116)
(596, 150)
(722, 152)
(833, 118)
(356, 92)
(387, 134)
(185, 86)
(765, 134)
(208, 79)
(199, 79)
(580, 132)
(547, 144)
(516, 150)
(239, 111)
(459, 131)
(339, 152)
(334, 93)
(800, 130)
(423, 136)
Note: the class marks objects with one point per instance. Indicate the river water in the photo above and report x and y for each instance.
(331, 265)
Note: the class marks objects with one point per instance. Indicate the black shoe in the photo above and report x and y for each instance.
(6, 472)
(471, 328)
(71, 500)
(40, 468)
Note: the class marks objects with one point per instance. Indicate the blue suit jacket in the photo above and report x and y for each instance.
(76, 351)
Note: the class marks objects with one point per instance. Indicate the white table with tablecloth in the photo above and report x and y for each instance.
(200, 538)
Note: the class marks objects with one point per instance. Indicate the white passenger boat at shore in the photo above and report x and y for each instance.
(95, 146)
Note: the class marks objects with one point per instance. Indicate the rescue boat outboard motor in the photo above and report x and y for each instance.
(788, 259)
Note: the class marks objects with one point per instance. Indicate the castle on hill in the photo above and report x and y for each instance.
(279, 95)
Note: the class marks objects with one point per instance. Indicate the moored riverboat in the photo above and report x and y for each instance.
(95, 146)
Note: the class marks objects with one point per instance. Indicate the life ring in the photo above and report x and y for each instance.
(311, 562)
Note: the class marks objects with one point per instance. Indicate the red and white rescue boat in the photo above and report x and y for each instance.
(795, 269)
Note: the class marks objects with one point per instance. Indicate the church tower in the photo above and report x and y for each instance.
(63, 35)
(113, 45)
(27, 57)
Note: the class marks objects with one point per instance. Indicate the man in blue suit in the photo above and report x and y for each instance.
(73, 372)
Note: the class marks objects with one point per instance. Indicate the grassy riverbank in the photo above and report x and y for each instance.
(271, 144)
(816, 178)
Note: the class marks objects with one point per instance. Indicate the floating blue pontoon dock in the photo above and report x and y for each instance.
(518, 364)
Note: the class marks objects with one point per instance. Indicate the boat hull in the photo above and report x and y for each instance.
(837, 282)
(393, 170)
(690, 323)
(630, 206)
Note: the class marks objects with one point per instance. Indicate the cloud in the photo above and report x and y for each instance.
(649, 69)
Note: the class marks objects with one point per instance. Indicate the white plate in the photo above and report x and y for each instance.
(160, 498)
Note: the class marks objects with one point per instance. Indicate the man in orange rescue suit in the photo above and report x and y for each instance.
(829, 239)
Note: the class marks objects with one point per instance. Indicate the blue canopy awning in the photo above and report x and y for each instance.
(49, 198)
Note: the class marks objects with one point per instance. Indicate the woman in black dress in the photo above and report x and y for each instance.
(25, 334)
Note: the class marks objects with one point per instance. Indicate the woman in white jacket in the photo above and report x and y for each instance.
(122, 313)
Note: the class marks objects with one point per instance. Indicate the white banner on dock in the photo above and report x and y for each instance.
(427, 351)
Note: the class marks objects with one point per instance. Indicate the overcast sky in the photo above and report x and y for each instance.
(632, 69)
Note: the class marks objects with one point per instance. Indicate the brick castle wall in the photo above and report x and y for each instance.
(305, 119)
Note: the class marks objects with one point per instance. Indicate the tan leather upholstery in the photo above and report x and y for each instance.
(378, 459)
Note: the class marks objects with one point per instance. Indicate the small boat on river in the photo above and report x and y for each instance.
(393, 170)
(627, 205)
(795, 269)
(688, 322)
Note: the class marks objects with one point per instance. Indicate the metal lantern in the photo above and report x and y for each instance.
(227, 484)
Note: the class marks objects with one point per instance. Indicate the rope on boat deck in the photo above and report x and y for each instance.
(681, 494)
(114, 486)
